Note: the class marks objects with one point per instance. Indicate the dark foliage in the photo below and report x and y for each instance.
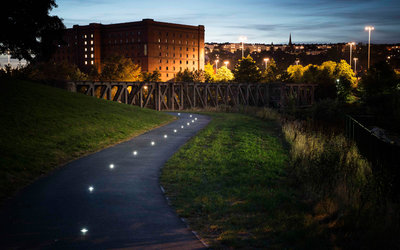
(27, 30)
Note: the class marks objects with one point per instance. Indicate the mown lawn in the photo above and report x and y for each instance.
(42, 127)
(232, 184)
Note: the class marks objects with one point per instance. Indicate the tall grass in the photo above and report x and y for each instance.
(338, 181)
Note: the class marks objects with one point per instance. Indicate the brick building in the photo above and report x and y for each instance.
(153, 45)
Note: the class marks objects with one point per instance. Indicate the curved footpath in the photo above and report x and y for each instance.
(91, 204)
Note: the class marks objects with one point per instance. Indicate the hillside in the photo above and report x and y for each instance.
(43, 127)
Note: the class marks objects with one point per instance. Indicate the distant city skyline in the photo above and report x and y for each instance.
(262, 21)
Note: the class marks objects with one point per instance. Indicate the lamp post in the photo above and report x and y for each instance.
(216, 65)
(355, 65)
(369, 29)
(351, 50)
(242, 39)
(226, 63)
(8, 55)
(266, 63)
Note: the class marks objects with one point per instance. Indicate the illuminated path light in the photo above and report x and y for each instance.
(111, 166)
(182, 126)
(153, 143)
(195, 118)
(165, 136)
(192, 121)
(179, 113)
(190, 115)
(88, 200)
(188, 124)
(175, 130)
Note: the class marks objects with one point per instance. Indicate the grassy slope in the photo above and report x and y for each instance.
(42, 127)
(231, 184)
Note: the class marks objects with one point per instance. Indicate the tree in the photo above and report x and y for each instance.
(185, 76)
(198, 76)
(295, 72)
(209, 73)
(119, 68)
(271, 73)
(380, 79)
(151, 77)
(27, 30)
(310, 74)
(55, 71)
(246, 70)
(224, 75)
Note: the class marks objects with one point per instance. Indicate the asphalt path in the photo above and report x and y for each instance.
(107, 200)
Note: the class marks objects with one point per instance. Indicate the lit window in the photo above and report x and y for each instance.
(91, 49)
(91, 35)
(92, 55)
(85, 56)
(85, 62)
(159, 40)
(85, 43)
(166, 40)
(186, 42)
(85, 36)
(91, 42)
(92, 62)
(173, 41)
(85, 49)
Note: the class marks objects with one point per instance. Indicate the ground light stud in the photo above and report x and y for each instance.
(111, 166)
(175, 130)
(135, 152)
(165, 136)
(153, 143)
(182, 126)
(91, 188)
(84, 230)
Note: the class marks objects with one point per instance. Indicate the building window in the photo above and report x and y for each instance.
(173, 41)
(138, 32)
(92, 55)
(186, 42)
(166, 54)
(187, 62)
(160, 54)
(91, 49)
(138, 40)
(92, 62)
(145, 49)
(167, 61)
(166, 68)
(194, 56)
(85, 36)
(85, 62)
(174, 67)
(160, 60)
(159, 67)
(180, 55)
(85, 42)
(166, 40)
(91, 35)
(180, 62)
(167, 74)
(91, 42)
(194, 50)
(187, 49)
(159, 46)
(85, 56)
(194, 62)
(159, 40)
(85, 49)
(187, 56)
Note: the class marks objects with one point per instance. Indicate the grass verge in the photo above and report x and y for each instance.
(232, 184)
(42, 127)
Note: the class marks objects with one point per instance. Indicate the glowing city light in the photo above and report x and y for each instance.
(175, 130)
(135, 152)
(190, 115)
(91, 188)
(179, 113)
(111, 166)
(182, 127)
(195, 118)
(165, 136)
(192, 121)
(188, 124)
(153, 143)
(84, 230)
(145, 87)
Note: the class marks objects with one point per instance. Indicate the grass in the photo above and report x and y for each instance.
(232, 184)
(42, 127)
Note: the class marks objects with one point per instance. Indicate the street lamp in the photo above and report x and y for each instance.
(355, 65)
(226, 63)
(351, 50)
(266, 63)
(216, 65)
(242, 39)
(369, 29)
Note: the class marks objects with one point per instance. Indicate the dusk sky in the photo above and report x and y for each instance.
(262, 21)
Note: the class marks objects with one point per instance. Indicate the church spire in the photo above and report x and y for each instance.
(290, 39)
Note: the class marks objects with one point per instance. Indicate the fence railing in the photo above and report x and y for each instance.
(384, 155)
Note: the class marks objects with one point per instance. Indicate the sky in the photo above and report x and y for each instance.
(261, 21)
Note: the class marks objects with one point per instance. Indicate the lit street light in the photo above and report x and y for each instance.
(226, 63)
(369, 29)
(351, 50)
(355, 65)
(242, 39)
(266, 62)
(216, 65)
